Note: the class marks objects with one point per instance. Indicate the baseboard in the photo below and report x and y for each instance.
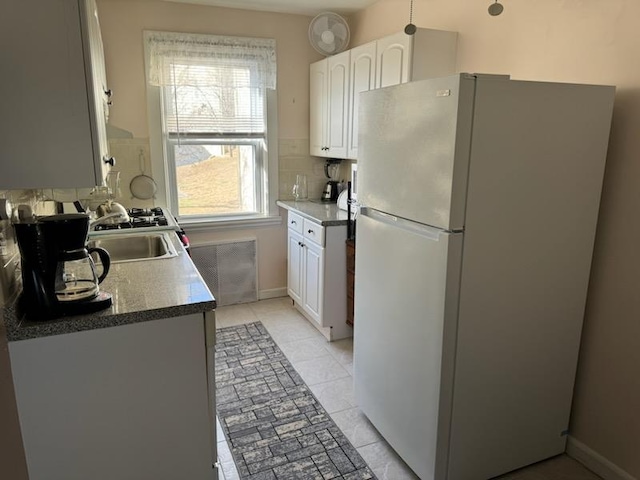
(272, 293)
(595, 462)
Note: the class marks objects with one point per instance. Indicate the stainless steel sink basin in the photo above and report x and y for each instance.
(136, 247)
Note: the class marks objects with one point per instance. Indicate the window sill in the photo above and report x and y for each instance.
(231, 223)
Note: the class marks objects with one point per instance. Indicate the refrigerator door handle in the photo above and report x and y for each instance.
(427, 231)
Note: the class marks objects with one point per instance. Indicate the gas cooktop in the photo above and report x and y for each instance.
(154, 219)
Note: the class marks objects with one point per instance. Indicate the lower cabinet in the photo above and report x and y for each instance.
(128, 402)
(295, 272)
(317, 274)
(313, 280)
(306, 272)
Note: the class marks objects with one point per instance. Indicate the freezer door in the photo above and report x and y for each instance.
(414, 150)
(407, 278)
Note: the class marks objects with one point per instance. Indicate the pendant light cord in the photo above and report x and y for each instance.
(410, 29)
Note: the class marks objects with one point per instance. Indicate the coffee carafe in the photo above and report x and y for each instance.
(58, 274)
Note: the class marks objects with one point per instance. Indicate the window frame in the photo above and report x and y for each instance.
(258, 143)
(164, 170)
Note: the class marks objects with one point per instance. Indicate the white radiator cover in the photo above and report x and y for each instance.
(229, 268)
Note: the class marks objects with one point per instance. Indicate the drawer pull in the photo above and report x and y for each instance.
(309, 231)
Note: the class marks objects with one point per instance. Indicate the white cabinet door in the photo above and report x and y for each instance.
(116, 390)
(338, 104)
(362, 79)
(313, 281)
(393, 63)
(329, 106)
(101, 94)
(295, 267)
(305, 274)
(48, 125)
(318, 108)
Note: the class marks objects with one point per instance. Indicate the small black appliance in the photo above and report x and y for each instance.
(331, 190)
(58, 274)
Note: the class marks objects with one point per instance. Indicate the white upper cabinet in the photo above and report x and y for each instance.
(391, 60)
(338, 92)
(101, 93)
(329, 98)
(53, 120)
(403, 58)
(318, 108)
(362, 79)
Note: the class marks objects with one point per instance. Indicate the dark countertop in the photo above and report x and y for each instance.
(142, 291)
(326, 214)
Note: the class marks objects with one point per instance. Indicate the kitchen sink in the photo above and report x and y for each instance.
(136, 247)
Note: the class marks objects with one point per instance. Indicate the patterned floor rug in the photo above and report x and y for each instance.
(276, 428)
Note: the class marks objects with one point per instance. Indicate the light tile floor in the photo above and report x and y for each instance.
(327, 368)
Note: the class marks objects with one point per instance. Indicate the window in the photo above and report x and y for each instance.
(211, 99)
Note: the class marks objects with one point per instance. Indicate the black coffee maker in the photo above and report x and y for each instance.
(331, 191)
(58, 274)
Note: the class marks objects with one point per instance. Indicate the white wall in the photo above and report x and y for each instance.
(585, 42)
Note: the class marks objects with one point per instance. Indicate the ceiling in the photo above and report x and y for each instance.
(301, 7)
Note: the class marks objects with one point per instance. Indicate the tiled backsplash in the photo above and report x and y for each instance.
(295, 159)
(132, 159)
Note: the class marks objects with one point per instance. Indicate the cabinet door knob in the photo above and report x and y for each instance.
(108, 93)
(309, 231)
(109, 160)
(293, 222)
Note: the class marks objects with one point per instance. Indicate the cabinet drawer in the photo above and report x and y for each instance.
(314, 232)
(295, 222)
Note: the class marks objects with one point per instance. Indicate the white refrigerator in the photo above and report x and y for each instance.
(479, 202)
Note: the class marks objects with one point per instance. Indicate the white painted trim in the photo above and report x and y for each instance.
(162, 174)
(235, 223)
(224, 241)
(272, 293)
(595, 462)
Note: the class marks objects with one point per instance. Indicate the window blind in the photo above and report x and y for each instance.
(211, 84)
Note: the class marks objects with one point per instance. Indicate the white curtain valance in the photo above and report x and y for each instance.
(167, 48)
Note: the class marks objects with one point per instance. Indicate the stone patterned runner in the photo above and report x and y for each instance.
(276, 428)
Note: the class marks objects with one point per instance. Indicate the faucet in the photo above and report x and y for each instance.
(109, 218)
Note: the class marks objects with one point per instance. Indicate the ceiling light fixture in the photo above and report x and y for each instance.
(410, 29)
(495, 9)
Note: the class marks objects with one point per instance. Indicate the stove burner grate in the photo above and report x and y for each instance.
(139, 218)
